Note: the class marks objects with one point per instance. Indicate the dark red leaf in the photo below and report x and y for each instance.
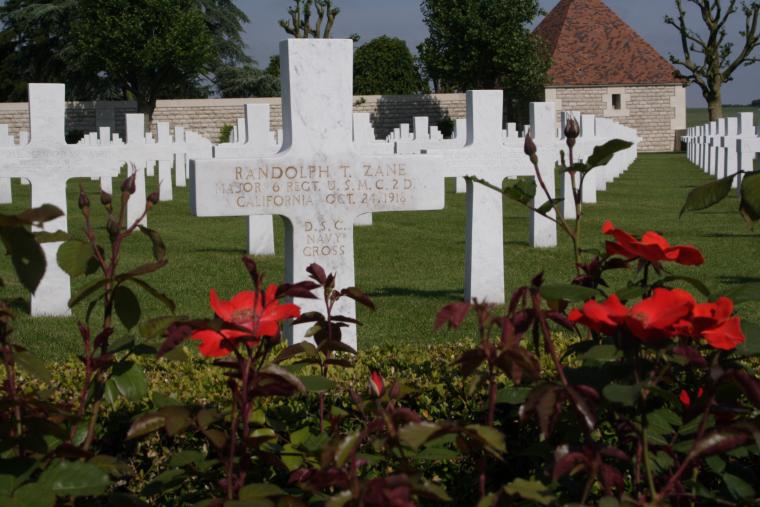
(611, 478)
(470, 360)
(298, 290)
(568, 463)
(453, 315)
(358, 296)
(720, 441)
(175, 335)
(560, 319)
(750, 386)
(691, 354)
(317, 273)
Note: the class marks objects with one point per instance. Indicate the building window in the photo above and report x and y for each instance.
(617, 102)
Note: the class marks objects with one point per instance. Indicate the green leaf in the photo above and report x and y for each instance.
(512, 395)
(154, 328)
(160, 296)
(737, 487)
(339, 500)
(416, 434)
(316, 383)
(125, 500)
(85, 293)
(623, 394)
(604, 153)
(571, 293)
(751, 345)
(548, 206)
(184, 458)
(74, 478)
(51, 237)
(750, 198)
(437, 454)
(260, 490)
(159, 249)
(76, 258)
(32, 365)
(533, 491)
(251, 502)
(129, 379)
(165, 482)
(491, 437)
(34, 495)
(602, 354)
(145, 424)
(707, 195)
(27, 256)
(522, 191)
(349, 444)
(127, 306)
(44, 213)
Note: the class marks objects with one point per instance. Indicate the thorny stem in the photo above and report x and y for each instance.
(578, 198)
(11, 387)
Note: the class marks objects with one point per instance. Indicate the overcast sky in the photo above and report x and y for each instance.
(402, 18)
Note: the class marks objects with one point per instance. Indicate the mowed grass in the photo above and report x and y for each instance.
(699, 116)
(411, 264)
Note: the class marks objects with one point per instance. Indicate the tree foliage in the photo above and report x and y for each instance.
(299, 25)
(718, 59)
(385, 66)
(484, 44)
(39, 43)
(247, 81)
(149, 49)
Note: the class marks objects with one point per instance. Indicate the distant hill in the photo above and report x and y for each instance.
(699, 116)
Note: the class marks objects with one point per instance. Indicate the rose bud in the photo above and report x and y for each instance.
(530, 148)
(129, 184)
(376, 384)
(572, 131)
(153, 197)
(84, 200)
(105, 198)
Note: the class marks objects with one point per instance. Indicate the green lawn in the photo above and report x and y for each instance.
(699, 116)
(413, 263)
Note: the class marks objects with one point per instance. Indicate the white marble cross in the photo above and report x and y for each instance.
(258, 143)
(6, 192)
(318, 182)
(165, 139)
(48, 162)
(748, 144)
(486, 157)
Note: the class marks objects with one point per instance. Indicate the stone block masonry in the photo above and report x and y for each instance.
(657, 113)
(208, 116)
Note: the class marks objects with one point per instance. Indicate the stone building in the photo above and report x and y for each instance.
(602, 66)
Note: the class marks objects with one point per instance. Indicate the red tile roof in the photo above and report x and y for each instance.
(591, 45)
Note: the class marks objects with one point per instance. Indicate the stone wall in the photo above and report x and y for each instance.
(208, 116)
(656, 112)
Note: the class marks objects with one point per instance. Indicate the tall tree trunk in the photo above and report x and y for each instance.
(715, 104)
(146, 107)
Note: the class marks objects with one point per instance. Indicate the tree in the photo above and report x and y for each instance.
(148, 49)
(247, 81)
(718, 61)
(37, 45)
(299, 25)
(385, 66)
(485, 44)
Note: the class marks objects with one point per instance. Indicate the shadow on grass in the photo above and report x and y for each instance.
(731, 235)
(454, 295)
(236, 251)
(739, 280)
(20, 305)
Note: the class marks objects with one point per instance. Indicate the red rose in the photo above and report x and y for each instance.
(261, 316)
(601, 317)
(654, 319)
(376, 384)
(652, 247)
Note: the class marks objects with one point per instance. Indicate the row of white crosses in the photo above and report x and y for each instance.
(594, 131)
(321, 181)
(724, 147)
(48, 162)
